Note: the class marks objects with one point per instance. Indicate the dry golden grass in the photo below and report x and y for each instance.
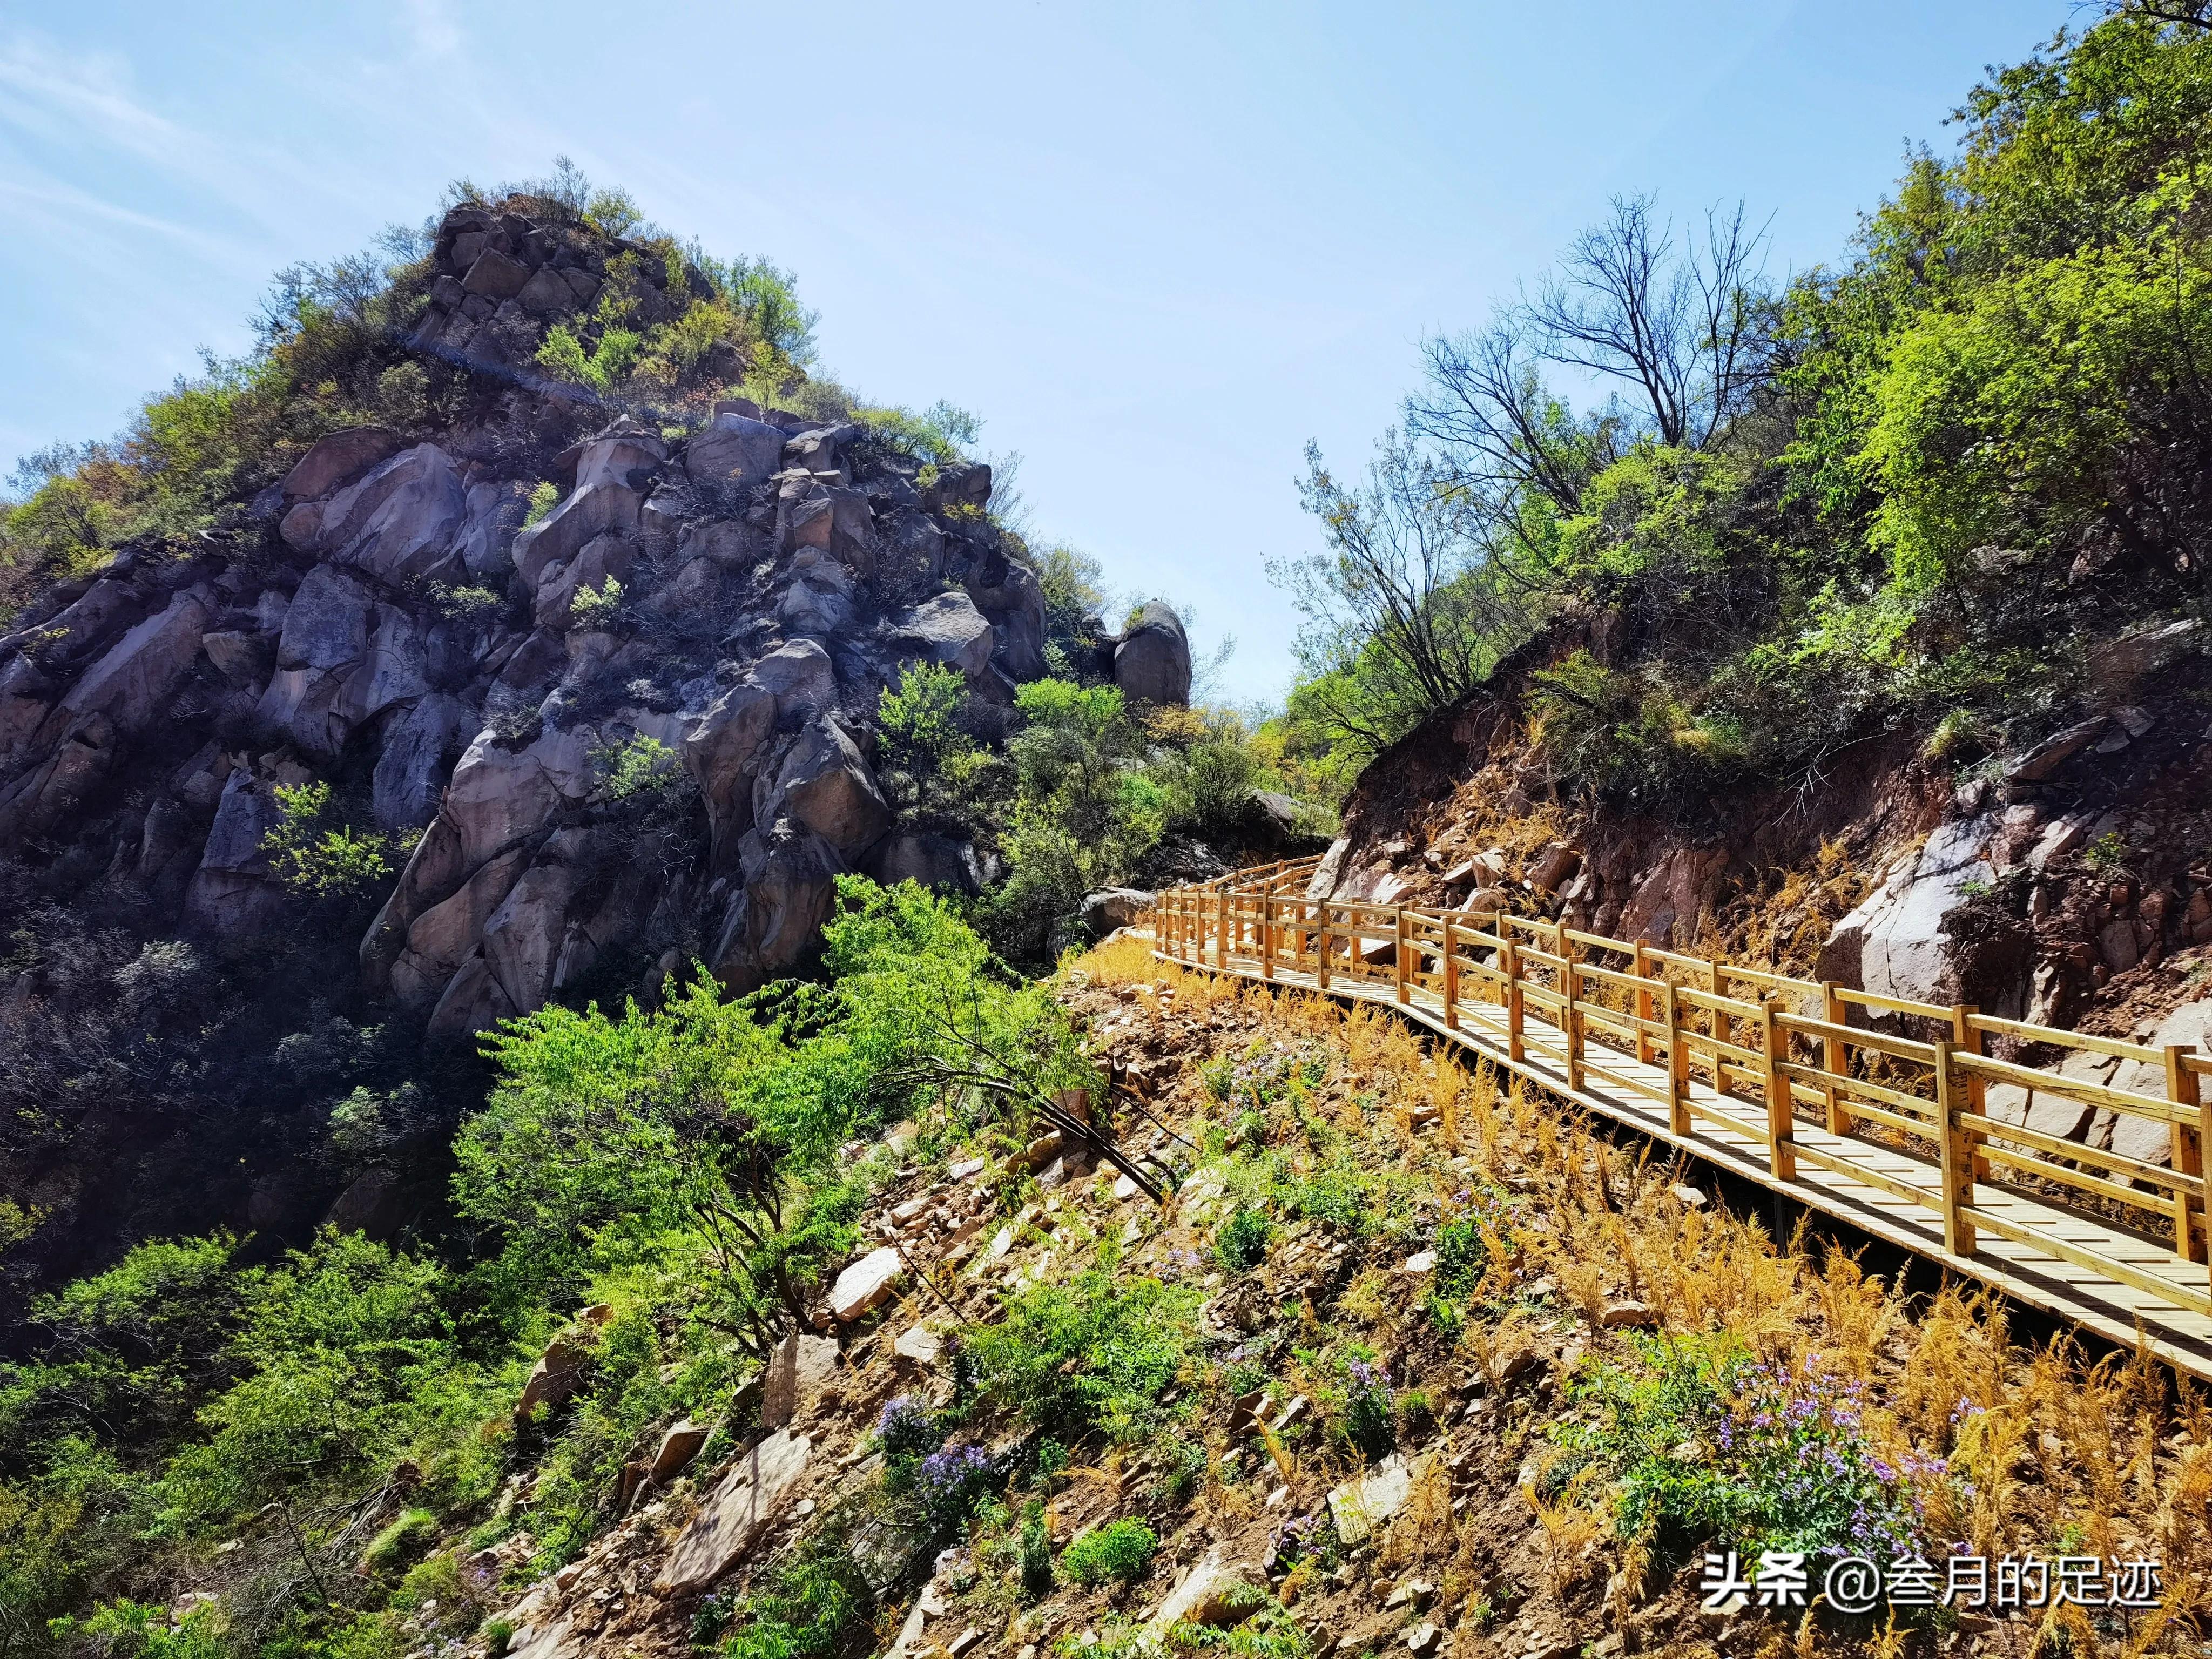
(2039, 1444)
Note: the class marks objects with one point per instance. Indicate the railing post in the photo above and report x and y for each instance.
(1719, 1026)
(1965, 1036)
(1451, 975)
(1516, 1049)
(1401, 948)
(1221, 941)
(1781, 1120)
(1267, 932)
(2188, 1156)
(1321, 946)
(1570, 1023)
(1644, 1011)
(1678, 1063)
(1957, 1160)
(1835, 1061)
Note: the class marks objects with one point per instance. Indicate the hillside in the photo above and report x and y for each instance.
(478, 645)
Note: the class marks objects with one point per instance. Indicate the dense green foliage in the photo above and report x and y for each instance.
(1920, 481)
(685, 1168)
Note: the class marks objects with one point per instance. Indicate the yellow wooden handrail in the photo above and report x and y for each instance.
(1783, 1043)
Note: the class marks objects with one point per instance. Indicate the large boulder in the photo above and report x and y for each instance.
(799, 674)
(1113, 907)
(131, 683)
(947, 630)
(734, 453)
(1895, 944)
(631, 459)
(341, 658)
(787, 883)
(825, 784)
(735, 1515)
(499, 801)
(448, 933)
(233, 891)
(523, 939)
(1152, 662)
(400, 522)
(593, 510)
(819, 600)
(339, 456)
(492, 517)
(1008, 592)
(411, 766)
(599, 559)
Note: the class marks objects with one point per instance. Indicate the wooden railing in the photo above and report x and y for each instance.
(1804, 1051)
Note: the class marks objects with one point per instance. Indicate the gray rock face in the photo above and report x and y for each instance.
(595, 509)
(232, 892)
(935, 861)
(341, 659)
(492, 516)
(632, 459)
(947, 630)
(798, 675)
(788, 875)
(1152, 662)
(1894, 944)
(410, 768)
(598, 559)
(819, 600)
(725, 751)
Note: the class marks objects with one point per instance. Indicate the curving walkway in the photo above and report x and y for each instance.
(1669, 1046)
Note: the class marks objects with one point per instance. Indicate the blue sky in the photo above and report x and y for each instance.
(1156, 247)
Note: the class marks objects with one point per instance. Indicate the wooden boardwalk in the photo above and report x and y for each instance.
(1634, 1058)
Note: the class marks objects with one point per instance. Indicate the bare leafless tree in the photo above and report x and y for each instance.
(1681, 330)
(1681, 326)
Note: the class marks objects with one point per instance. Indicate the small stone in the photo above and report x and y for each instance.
(966, 1170)
(919, 1346)
(1689, 1195)
(1359, 1506)
(1621, 1314)
(1422, 1638)
(1423, 1262)
(965, 1641)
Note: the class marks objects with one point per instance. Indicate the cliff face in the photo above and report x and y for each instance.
(605, 689)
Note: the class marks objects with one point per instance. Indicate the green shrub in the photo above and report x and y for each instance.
(399, 1543)
(1241, 1241)
(1701, 1442)
(311, 856)
(1092, 1356)
(1035, 1551)
(1120, 1550)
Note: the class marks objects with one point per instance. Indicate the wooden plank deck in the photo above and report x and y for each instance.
(1730, 1134)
